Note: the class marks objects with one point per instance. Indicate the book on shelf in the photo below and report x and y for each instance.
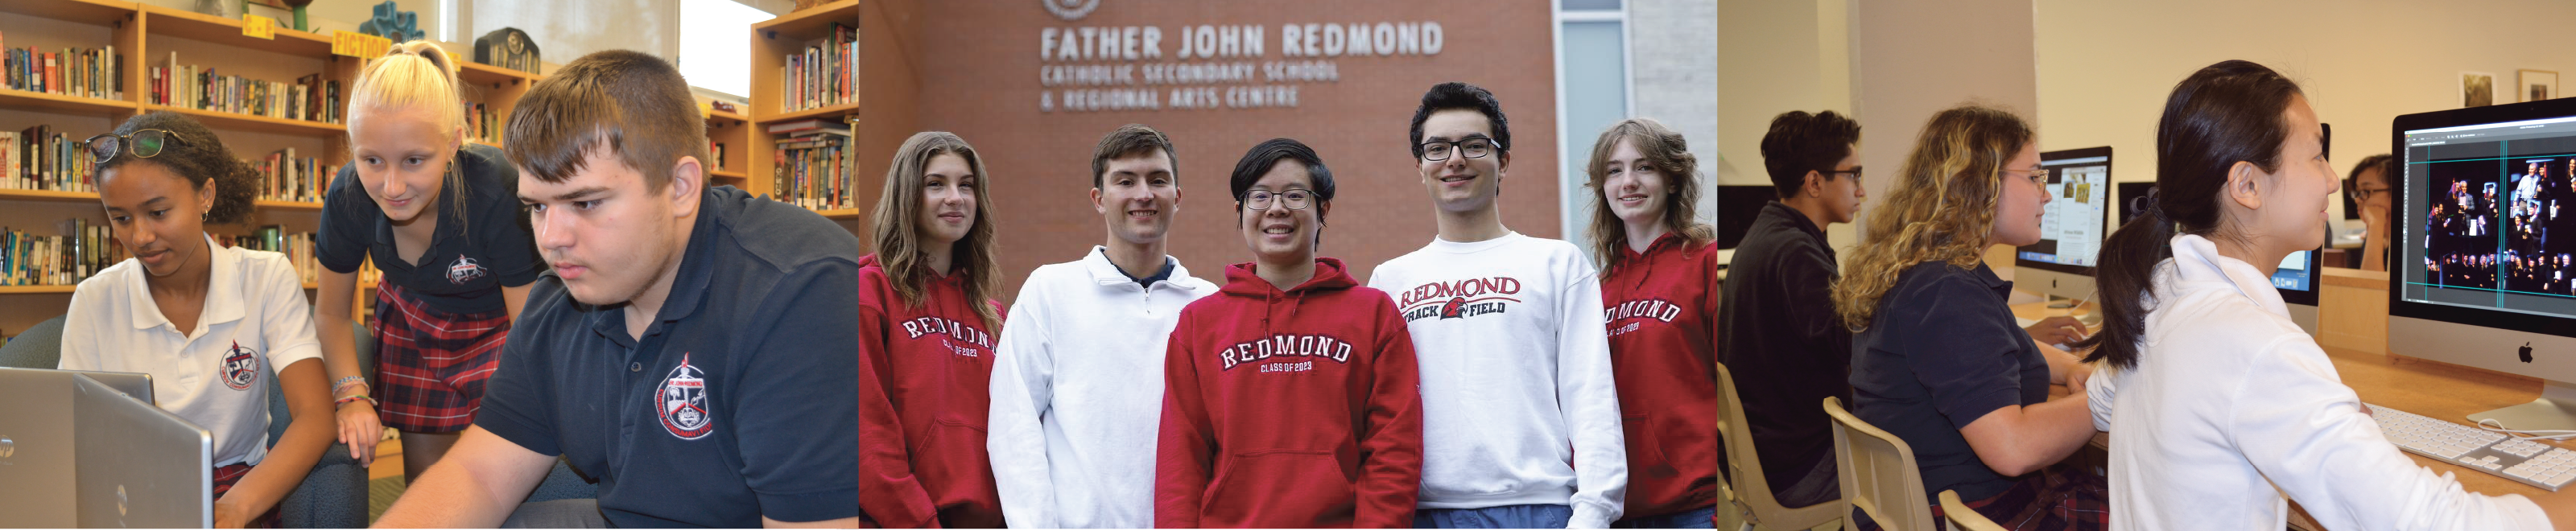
(28, 259)
(309, 98)
(298, 248)
(824, 73)
(286, 177)
(716, 150)
(83, 72)
(483, 123)
(42, 158)
(815, 170)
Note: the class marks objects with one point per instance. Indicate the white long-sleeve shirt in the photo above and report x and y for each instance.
(1518, 405)
(1078, 394)
(2231, 406)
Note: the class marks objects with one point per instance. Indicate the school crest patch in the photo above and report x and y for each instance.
(683, 402)
(239, 367)
(464, 270)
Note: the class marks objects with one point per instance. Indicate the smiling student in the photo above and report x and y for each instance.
(2223, 407)
(208, 322)
(690, 347)
(1291, 396)
(441, 218)
(1659, 290)
(1077, 382)
(1520, 419)
(926, 325)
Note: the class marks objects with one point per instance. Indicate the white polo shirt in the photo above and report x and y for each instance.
(255, 322)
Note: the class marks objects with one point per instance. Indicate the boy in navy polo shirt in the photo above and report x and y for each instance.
(690, 347)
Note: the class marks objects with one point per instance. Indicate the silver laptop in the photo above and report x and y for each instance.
(36, 473)
(134, 384)
(138, 466)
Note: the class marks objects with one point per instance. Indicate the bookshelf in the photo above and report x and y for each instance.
(733, 131)
(883, 82)
(145, 37)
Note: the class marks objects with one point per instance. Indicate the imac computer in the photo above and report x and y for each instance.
(2295, 278)
(2485, 274)
(1737, 207)
(2071, 228)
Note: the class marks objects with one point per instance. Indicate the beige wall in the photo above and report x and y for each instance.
(1911, 59)
(1775, 57)
(2106, 67)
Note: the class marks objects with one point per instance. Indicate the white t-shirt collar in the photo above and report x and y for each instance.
(2196, 259)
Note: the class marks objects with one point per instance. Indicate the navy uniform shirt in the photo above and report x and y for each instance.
(470, 257)
(1943, 351)
(1779, 333)
(739, 401)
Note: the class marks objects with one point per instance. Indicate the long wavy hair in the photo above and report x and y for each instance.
(1940, 208)
(898, 225)
(1670, 155)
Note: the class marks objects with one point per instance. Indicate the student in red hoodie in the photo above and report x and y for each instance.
(1657, 282)
(1290, 397)
(926, 329)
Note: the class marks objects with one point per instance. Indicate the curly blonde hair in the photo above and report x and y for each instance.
(1941, 208)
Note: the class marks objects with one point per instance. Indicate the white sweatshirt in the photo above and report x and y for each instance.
(1518, 405)
(2230, 399)
(1078, 394)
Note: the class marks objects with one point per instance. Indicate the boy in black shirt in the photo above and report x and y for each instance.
(691, 347)
(1776, 316)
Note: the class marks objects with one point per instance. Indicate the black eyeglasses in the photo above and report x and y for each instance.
(1474, 148)
(144, 144)
(1854, 173)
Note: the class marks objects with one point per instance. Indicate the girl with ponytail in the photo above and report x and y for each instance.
(441, 218)
(2219, 404)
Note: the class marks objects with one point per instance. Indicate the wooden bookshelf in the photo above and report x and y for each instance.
(289, 205)
(211, 29)
(886, 30)
(90, 12)
(10, 290)
(39, 101)
(12, 194)
(223, 121)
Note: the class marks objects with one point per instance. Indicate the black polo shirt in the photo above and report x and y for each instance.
(1779, 334)
(740, 400)
(1943, 351)
(470, 257)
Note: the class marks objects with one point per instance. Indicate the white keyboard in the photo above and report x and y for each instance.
(2531, 463)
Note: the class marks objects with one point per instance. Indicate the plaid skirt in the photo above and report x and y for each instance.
(2058, 498)
(430, 363)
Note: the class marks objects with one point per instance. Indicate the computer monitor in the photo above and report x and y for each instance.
(2484, 275)
(134, 384)
(1737, 207)
(2077, 218)
(2295, 278)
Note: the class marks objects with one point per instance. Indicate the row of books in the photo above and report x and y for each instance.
(285, 177)
(816, 169)
(298, 249)
(32, 260)
(41, 158)
(825, 74)
(309, 98)
(84, 72)
(482, 123)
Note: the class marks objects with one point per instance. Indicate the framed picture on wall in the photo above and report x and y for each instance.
(2539, 85)
(2477, 89)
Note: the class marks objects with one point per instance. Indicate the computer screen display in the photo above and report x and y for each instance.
(2295, 273)
(2492, 215)
(1737, 207)
(2078, 213)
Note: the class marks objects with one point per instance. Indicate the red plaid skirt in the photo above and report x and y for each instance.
(2058, 498)
(226, 476)
(431, 364)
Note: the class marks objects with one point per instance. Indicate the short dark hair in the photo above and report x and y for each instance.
(1455, 95)
(637, 105)
(2385, 163)
(1131, 140)
(194, 153)
(1799, 143)
(1268, 153)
